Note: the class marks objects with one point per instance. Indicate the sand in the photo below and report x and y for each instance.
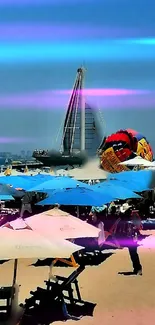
(120, 299)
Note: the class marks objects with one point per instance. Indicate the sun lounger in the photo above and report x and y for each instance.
(65, 284)
(55, 296)
(9, 309)
(55, 289)
(5, 297)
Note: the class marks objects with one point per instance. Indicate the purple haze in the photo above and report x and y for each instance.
(15, 140)
(40, 2)
(22, 32)
(107, 92)
(148, 242)
(106, 98)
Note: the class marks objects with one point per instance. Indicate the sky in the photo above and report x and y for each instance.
(43, 42)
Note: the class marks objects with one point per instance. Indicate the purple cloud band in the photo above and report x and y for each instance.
(6, 140)
(40, 2)
(107, 92)
(106, 98)
(21, 32)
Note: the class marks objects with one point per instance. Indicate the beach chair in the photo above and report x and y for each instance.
(8, 299)
(5, 306)
(72, 262)
(53, 298)
(54, 290)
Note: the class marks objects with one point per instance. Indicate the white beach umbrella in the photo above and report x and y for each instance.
(137, 161)
(26, 243)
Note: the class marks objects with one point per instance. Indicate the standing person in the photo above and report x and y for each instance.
(132, 228)
(137, 226)
(26, 205)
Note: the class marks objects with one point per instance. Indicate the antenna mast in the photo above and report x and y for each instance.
(76, 100)
(82, 71)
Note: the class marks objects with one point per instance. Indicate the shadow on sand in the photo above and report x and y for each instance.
(51, 309)
(87, 259)
(3, 261)
(60, 301)
(60, 304)
(50, 314)
(127, 273)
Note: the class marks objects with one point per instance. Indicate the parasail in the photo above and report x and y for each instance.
(121, 146)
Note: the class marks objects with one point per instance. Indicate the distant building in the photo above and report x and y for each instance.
(5, 154)
(29, 154)
(23, 153)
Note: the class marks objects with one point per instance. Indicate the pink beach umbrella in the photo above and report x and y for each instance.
(55, 223)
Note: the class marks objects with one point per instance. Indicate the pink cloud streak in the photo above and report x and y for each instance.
(58, 99)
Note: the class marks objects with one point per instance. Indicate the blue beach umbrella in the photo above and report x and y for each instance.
(7, 191)
(16, 182)
(57, 183)
(20, 182)
(78, 197)
(144, 178)
(6, 198)
(132, 185)
(119, 192)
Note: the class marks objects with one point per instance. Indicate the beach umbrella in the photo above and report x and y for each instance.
(26, 243)
(7, 193)
(18, 242)
(144, 178)
(22, 182)
(119, 192)
(6, 198)
(16, 182)
(8, 190)
(137, 161)
(78, 197)
(56, 223)
(57, 182)
(132, 185)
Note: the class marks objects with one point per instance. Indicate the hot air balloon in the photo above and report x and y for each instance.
(121, 146)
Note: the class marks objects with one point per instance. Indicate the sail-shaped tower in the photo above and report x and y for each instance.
(80, 138)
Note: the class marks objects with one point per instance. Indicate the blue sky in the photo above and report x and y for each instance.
(43, 42)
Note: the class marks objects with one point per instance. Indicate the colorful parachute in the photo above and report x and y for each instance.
(121, 146)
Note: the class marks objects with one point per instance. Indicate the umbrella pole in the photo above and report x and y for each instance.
(15, 272)
(14, 283)
(78, 212)
(51, 276)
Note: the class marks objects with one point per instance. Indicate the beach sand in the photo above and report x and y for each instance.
(120, 299)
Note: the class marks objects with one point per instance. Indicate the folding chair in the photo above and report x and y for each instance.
(43, 300)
